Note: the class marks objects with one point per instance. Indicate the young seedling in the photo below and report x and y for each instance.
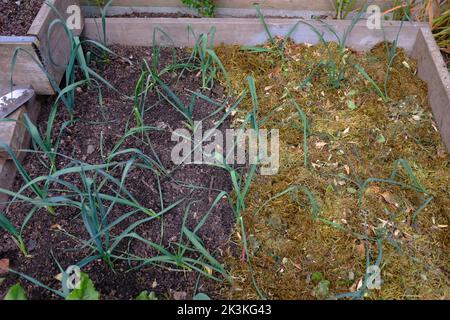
(15, 234)
(336, 68)
(276, 47)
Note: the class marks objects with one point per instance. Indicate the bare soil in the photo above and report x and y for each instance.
(16, 18)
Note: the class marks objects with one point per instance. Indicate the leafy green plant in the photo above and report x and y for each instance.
(145, 295)
(241, 183)
(380, 92)
(435, 12)
(103, 11)
(360, 293)
(97, 188)
(201, 296)
(205, 58)
(85, 291)
(240, 187)
(343, 7)
(16, 292)
(38, 191)
(44, 143)
(306, 129)
(391, 54)
(335, 67)
(189, 243)
(276, 47)
(168, 95)
(16, 235)
(77, 61)
(408, 183)
(204, 7)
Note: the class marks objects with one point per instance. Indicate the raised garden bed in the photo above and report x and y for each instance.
(26, 25)
(363, 171)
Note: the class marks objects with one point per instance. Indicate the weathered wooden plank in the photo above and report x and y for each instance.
(28, 70)
(7, 175)
(13, 131)
(433, 70)
(8, 169)
(54, 45)
(130, 31)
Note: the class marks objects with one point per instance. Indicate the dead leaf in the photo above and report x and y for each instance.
(4, 266)
(319, 145)
(276, 71)
(360, 249)
(389, 198)
(407, 236)
(55, 227)
(356, 285)
(409, 209)
(299, 267)
(441, 152)
(373, 190)
(347, 169)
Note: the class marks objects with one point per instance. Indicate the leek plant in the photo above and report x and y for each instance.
(206, 59)
(16, 235)
(335, 68)
(189, 242)
(77, 60)
(276, 47)
(343, 8)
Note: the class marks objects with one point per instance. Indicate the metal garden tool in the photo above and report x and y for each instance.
(13, 100)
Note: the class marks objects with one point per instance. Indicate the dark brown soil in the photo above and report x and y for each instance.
(156, 15)
(47, 243)
(16, 19)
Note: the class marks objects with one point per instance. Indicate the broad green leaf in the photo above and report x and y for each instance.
(16, 292)
(317, 277)
(201, 296)
(351, 190)
(144, 295)
(86, 290)
(381, 139)
(351, 105)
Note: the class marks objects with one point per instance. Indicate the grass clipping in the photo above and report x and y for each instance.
(354, 135)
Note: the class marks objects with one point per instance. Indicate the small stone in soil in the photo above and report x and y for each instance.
(90, 149)
(4, 266)
(31, 245)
